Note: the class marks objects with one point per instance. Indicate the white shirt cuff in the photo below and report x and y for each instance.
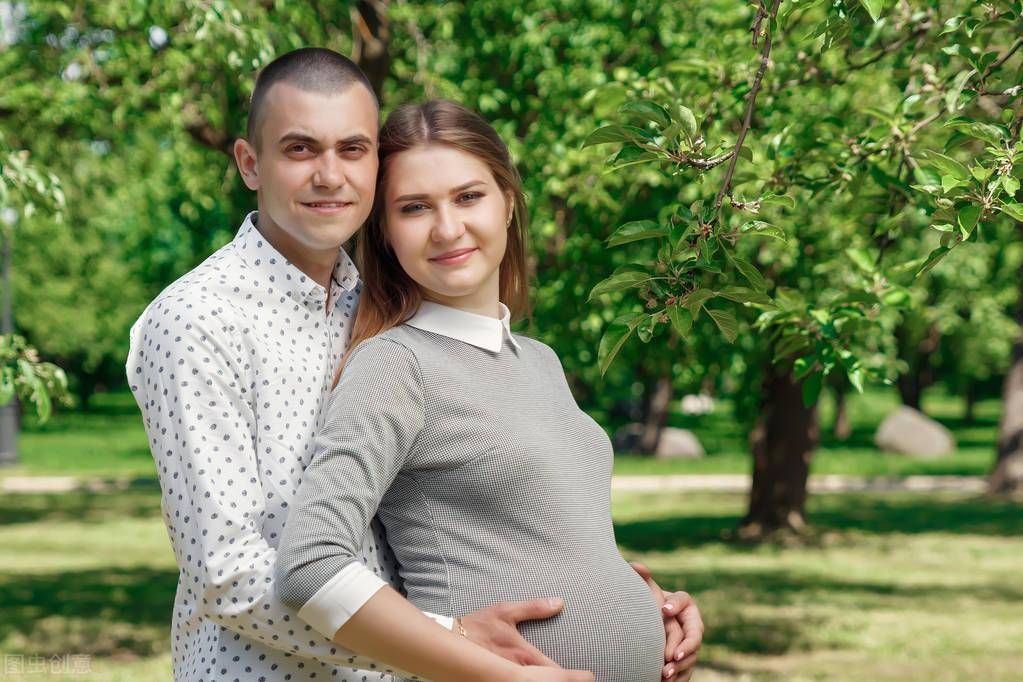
(446, 621)
(339, 599)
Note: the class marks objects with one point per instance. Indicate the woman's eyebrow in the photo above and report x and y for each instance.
(456, 190)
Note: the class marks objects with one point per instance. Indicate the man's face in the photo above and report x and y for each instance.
(315, 167)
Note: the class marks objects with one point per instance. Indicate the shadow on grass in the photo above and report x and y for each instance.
(726, 596)
(140, 500)
(104, 612)
(966, 435)
(913, 513)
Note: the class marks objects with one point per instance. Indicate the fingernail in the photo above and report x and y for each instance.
(679, 655)
(554, 602)
(667, 608)
(671, 671)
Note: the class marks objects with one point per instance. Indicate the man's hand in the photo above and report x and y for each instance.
(494, 628)
(683, 628)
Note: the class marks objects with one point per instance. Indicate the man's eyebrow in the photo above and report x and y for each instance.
(312, 141)
(456, 190)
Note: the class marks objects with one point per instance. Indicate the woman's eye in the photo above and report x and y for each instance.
(413, 208)
(469, 196)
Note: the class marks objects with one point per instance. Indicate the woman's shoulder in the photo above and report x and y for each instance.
(389, 347)
(539, 348)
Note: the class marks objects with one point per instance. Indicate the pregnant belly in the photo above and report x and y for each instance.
(610, 625)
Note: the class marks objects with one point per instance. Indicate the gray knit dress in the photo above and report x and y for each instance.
(492, 485)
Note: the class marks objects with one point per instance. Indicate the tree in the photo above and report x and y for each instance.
(24, 188)
(842, 173)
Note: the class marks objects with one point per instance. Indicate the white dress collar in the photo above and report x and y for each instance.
(478, 330)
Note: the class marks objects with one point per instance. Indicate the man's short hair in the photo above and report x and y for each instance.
(313, 69)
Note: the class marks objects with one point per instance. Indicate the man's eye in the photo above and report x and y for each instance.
(298, 148)
(357, 149)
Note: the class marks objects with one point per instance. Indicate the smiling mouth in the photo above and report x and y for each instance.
(454, 257)
(326, 205)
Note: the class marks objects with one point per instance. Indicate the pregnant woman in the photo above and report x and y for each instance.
(490, 481)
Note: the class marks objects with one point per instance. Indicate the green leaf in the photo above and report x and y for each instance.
(952, 97)
(617, 282)
(762, 229)
(647, 110)
(635, 231)
(988, 132)
(681, 319)
(743, 295)
(771, 198)
(1013, 210)
(812, 388)
(947, 165)
(646, 328)
(933, 259)
(861, 258)
(688, 121)
(1010, 185)
(873, 8)
(967, 218)
(856, 379)
(610, 343)
(948, 183)
(750, 272)
(698, 298)
(613, 134)
(726, 323)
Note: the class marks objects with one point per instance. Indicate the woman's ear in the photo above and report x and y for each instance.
(509, 199)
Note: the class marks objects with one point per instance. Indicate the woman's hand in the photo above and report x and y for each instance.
(683, 628)
(545, 674)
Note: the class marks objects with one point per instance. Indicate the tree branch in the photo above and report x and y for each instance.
(765, 53)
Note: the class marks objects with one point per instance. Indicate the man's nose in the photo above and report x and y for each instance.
(330, 172)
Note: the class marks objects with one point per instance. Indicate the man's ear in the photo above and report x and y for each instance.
(245, 157)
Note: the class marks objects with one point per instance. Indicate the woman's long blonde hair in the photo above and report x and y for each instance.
(389, 295)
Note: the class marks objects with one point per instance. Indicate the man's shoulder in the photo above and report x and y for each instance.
(200, 298)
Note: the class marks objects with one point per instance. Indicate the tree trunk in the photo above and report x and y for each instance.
(970, 413)
(656, 415)
(1007, 476)
(918, 356)
(371, 40)
(783, 443)
(9, 412)
(843, 428)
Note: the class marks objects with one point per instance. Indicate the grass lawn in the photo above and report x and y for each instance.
(889, 587)
(109, 441)
(728, 450)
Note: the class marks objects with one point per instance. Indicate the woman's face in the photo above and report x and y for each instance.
(447, 221)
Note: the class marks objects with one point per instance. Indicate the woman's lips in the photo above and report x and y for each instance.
(454, 257)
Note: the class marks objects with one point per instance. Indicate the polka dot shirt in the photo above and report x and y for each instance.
(231, 366)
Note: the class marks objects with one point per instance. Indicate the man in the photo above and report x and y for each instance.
(231, 365)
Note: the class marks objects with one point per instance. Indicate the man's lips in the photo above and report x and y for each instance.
(454, 257)
(326, 206)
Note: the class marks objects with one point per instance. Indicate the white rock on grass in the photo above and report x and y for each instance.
(910, 432)
(679, 444)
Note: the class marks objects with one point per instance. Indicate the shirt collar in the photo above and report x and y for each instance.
(478, 330)
(262, 257)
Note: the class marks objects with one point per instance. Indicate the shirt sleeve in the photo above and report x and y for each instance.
(187, 373)
(373, 418)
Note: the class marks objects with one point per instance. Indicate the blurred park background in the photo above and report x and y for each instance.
(777, 246)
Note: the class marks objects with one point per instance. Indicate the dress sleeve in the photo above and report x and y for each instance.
(372, 421)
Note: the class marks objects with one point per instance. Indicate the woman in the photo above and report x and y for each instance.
(491, 483)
